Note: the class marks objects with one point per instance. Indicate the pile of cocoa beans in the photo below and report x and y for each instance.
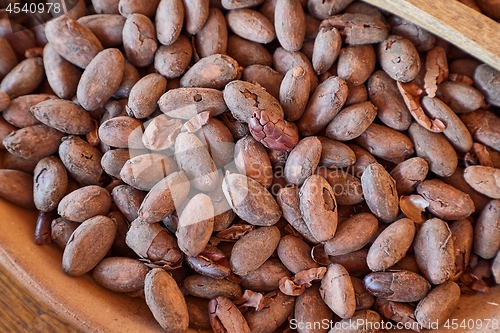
(256, 165)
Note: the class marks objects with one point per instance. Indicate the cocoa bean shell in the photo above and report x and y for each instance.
(173, 60)
(169, 20)
(50, 183)
(139, 40)
(318, 207)
(24, 78)
(212, 37)
(108, 28)
(486, 232)
(445, 201)
(246, 256)
(120, 274)
(85, 203)
(434, 251)
(33, 142)
(101, 78)
(337, 285)
(196, 224)
(184, 103)
(244, 98)
(386, 143)
(164, 197)
(88, 245)
(391, 245)
(64, 116)
(82, 161)
(18, 112)
(379, 190)
(63, 76)
(251, 25)
(214, 71)
(250, 200)
(72, 40)
(17, 187)
(166, 301)
(438, 305)
(352, 234)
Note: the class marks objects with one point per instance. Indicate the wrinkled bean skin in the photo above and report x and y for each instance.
(164, 197)
(337, 285)
(194, 159)
(399, 58)
(225, 316)
(434, 251)
(128, 200)
(399, 312)
(435, 149)
(463, 232)
(351, 122)
(445, 201)
(207, 287)
(483, 179)
(120, 274)
(354, 262)
(20, 183)
(460, 97)
(335, 154)
(386, 143)
(67, 35)
(82, 161)
(196, 224)
(409, 174)
(109, 63)
(438, 305)
(357, 28)
(169, 21)
(400, 286)
(270, 318)
(252, 160)
(50, 183)
(301, 259)
(245, 98)
(356, 63)
(289, 201)
(166, 301)
(255, 165)
(352, 234)
(456, 132)
(267, 238)
(384, 94)
(250, 200)
(327, 47)
(302, 160)
(84, 203)
(309, 308)
(88, 245)
(379, 190)
(391, 245)
(482, 125)
(363, 299)
(487, 81)
(318, 207)
(486, 231)
(266, 277)
(323, 106)
(33, 142)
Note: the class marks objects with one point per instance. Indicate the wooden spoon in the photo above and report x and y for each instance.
(453, 21)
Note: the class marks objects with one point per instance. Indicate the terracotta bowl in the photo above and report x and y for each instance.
(94, 309)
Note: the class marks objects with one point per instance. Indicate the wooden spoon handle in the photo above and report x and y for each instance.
(453, 21)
